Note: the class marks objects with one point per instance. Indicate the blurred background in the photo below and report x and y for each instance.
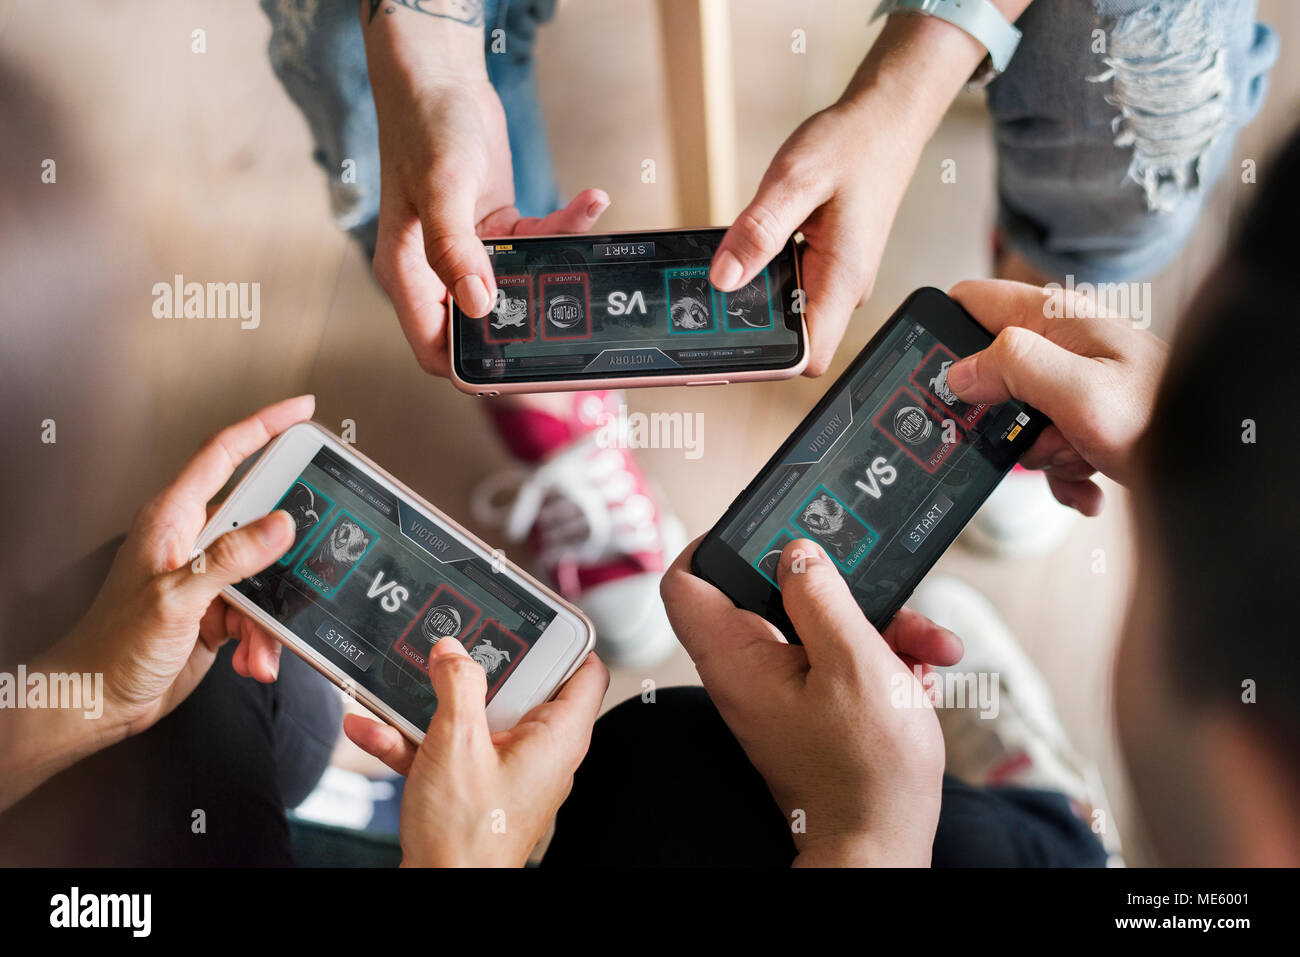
(171, 161)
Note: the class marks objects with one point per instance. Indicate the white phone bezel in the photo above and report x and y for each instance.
(550, 662)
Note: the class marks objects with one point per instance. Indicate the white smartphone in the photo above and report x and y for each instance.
(376, 575)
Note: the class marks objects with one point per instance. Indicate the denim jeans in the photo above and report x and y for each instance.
(1111, 121)
(318, 53)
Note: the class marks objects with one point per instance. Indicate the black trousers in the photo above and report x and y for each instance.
(206, 786)
(666, 784)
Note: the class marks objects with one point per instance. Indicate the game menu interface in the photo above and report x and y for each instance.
(371, 583)
(601, 306)
(886, 475)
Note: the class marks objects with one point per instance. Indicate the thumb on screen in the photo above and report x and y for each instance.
(232, 558)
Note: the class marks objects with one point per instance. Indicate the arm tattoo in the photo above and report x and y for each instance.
(468, 12)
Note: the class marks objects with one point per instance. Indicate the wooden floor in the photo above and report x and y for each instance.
(197, 164)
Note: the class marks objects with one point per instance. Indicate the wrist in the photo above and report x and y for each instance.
(914, 70)
(864, 850)
(53, 732)
(104, 719)
(423, 50)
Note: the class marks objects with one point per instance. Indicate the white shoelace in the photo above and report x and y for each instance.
(583, 502)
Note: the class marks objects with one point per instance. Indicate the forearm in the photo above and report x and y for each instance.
(915, 69)
(423, 41)
(45, 736)
(900, 847)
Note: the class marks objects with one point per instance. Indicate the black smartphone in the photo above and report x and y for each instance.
(626, 309)
(883, 473)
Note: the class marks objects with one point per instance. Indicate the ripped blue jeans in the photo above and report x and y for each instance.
(318, 52)
(1111, 122)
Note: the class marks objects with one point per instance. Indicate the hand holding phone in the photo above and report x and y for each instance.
(883, 473)
(473, 798)
(376, 577)
(1094, 375)
(446, 176)
(156, 624)
(821, 721)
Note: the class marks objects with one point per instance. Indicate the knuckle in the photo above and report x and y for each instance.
(795, 173)
(440, 250)
(448, 254)
(963, 288)
(759, 229)
(428, 362)
(210, 440)
(148, 513)
(164, 599)
(463, 670)
(821, 579)
(1013, 345)
(225, 553)
(817, 366)
(669, 586)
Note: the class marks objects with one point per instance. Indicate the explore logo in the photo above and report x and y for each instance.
(74, 909)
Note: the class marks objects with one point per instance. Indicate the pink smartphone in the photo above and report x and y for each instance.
(620, 310)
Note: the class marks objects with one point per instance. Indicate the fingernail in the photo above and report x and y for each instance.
(795, 559)
(961, 375)
(446, 645)
(472, 295)
(726, 270)
(598, 207)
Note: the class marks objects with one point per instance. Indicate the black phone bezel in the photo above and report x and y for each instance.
(793, 321)
(718, 563)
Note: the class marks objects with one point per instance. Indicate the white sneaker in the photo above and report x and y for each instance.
(600, 535)
(1023, 743)
(1021, 519)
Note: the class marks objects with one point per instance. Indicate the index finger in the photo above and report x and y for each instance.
(210, 469)
(1046, 310)
(998, 303)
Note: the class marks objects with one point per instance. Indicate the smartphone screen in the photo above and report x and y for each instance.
(883, 473)
(597, 307)
(371, 583)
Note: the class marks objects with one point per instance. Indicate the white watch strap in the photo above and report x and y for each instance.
(979, 18)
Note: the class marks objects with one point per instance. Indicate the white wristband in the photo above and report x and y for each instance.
(979, 18)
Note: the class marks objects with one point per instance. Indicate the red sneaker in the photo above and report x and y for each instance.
(598, 529)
